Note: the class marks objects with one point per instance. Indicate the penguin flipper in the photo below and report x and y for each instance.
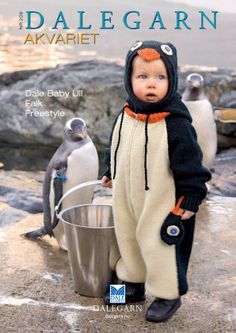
(47, 228)
(49, 222)
(58, 191)
(37, 233)
(46, 201)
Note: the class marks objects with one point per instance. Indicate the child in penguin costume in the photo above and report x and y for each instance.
(155, 168)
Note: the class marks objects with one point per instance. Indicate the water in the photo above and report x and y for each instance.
(14, 301)
(113, 44)
(20, 158)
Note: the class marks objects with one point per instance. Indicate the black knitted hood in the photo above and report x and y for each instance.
(172, 101)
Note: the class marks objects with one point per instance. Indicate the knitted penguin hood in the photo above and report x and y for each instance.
(172, 101)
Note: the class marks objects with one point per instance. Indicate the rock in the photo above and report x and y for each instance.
(25, 200)
(21, 191)
(226, 127)
(229, 99)
(102, 96)
(1, 165)
(20, 157)
(225, 142)
(223, 174)
(8, 79)
(219, 83)
(101, 85)
(226, 121)
(16, 179)
(37, 294)
(9, 216)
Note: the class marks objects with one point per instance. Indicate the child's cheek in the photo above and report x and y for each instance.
(138, 90)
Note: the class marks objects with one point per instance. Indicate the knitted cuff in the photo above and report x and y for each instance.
(191, 202)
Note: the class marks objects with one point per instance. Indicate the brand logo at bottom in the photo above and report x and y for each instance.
(117, 293)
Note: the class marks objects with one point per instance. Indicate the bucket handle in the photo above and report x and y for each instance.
(71, 190)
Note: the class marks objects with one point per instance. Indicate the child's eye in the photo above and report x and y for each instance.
(161, 77)
(142, 76)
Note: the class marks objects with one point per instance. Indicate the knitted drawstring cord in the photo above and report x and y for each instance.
(145, 149)
(118, 143)
(145, 154)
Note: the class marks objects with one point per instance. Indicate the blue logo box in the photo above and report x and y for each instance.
(117, 293)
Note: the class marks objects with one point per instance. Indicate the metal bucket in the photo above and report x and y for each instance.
(91, 243)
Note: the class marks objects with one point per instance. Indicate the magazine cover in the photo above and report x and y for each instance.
(117, 166)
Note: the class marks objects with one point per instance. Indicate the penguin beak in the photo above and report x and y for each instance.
(196, 84)
(80, 136)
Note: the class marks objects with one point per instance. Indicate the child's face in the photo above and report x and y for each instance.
(149, 79)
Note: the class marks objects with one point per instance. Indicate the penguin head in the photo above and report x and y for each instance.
(194, 89)
(75, 129)
(149, 51)
(194, 81)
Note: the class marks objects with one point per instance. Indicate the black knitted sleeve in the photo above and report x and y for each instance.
(107, 153)
(185, 157)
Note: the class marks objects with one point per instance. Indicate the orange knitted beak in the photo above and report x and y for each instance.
(149, 54)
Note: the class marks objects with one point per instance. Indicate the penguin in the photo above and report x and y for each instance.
(203, 117)
(74, 162)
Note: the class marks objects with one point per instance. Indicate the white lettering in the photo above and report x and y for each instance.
(44, 113)
(58, 93)
(34, 93)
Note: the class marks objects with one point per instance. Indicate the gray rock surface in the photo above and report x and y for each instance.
(225, 141)
(228, 98)
(32, 300)
(10, 216)
(103, 95)
(228, 129)
(225, 119)
(100, 83)
(36, 287)
(20, 194)
(223, 180)
(26, 200)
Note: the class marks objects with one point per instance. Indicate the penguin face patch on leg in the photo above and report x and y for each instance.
(75, 129)
(172, 230)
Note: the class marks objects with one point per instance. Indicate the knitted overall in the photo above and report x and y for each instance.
(154, 160)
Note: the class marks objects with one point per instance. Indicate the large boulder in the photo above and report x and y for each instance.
(100, 85)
